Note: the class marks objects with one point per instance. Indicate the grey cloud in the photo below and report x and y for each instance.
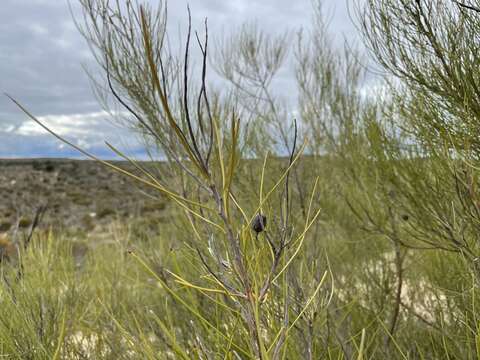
(42, 53)
(40, 58)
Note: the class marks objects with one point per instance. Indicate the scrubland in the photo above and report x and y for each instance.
(340, 224)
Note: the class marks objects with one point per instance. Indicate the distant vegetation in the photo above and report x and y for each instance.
(79, 194)
(348, 232)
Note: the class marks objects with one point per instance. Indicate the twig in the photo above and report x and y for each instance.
(465, 6)
(36, 221)
(224, 284)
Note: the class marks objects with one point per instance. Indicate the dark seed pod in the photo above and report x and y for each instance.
(259, 223)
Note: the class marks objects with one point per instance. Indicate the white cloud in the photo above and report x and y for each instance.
(69, 124)
(87, 130)
(7, 128)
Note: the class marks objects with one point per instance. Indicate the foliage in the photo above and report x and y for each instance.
(349, 233)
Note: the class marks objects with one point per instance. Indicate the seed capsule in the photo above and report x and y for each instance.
(259, 223)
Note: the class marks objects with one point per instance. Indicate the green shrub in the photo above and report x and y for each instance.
(338, 272)
(104, 212)
(5, 226)
(24, 222)
(153, 207)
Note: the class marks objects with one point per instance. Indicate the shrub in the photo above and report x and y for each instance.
(241, 268)
(5, 226)
(24, 222)
(104, 212)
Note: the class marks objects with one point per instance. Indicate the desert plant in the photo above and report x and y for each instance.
(408, 163)
(246, 275)
(238, 266)
(427, 140)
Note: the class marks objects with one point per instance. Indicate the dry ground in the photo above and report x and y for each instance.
(79, 194)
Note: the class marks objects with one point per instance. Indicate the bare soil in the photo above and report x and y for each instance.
(79, 194)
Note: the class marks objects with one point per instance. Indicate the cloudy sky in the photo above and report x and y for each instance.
(42, 60)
